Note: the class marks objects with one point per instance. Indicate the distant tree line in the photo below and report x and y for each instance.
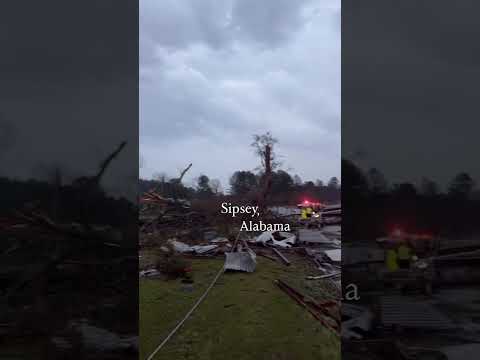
(285, 188)
(65, 203)
(81, 200)
(268, 183)
(373, 207)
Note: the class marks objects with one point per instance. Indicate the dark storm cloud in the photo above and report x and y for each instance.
(234, 69)
(410, 76)
(58, 40)
(176, 24)
(267, 22)
(68, 76)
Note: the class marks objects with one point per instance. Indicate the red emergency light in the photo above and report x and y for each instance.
(397, 232)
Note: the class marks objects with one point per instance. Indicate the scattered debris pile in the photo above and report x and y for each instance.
(242, 258)
(65, 275)
(44, 262)
(277, 239)
(356, 321)
(331, 214)
(311, 253)
(167, 215)
(425, 298)
(216, 246)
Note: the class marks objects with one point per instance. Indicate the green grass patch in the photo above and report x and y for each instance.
(244, 317)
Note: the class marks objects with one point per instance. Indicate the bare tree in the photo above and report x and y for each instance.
(182, 174)
(263, 146)
(429, 187)
(333, 183)
(177, 182)
(216, 186)
(297, 180)
(161, 179)
(105, 163)
(56, 177)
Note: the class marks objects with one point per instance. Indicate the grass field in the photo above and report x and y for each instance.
(244, 317)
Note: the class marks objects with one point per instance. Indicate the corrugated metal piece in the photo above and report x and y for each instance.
(241, 261)
(334, 255)
(462, 352)
(412, 313)
(313, 237)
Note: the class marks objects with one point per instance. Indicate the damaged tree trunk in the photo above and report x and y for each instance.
(267, 179)
(182, 174)
(105, 163)
(89, 186)
(177, 183)
(263, 145)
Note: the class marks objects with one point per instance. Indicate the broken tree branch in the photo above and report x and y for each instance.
(281, 256)
(105, 163)
(182, 174)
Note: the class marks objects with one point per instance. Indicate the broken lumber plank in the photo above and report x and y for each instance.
(314, 309)
(326, 276)
(281, 256)
(324, 308)
(267, 256)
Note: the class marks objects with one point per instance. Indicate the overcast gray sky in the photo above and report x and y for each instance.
(68, 90)
(410, 82)
(213, 73)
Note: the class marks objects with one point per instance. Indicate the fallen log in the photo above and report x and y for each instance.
(267, 256)
(321, 312)
(281, 256)
(326, 276)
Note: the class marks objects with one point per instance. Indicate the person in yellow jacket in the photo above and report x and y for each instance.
(309, 212)
(303, 214)
(404, 256)
(391, 260)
